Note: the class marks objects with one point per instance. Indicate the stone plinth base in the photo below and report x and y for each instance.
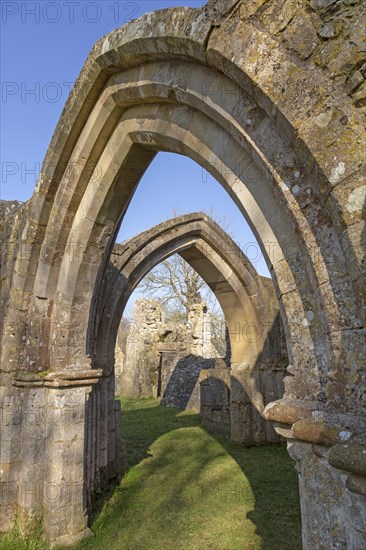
(60, 443)
(215, 400)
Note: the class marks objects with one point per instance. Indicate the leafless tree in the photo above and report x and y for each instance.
(176, 284)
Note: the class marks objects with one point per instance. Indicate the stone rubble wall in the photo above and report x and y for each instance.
(181, 386)
(215, 400)
(154, 346)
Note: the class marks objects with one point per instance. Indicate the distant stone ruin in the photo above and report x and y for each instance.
(155, 349)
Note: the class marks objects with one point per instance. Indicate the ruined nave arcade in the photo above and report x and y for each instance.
(288, 146)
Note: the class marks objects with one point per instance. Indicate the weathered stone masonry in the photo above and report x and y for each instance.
(155, 347)
(257, 352)
(164, 360)
(288, 145)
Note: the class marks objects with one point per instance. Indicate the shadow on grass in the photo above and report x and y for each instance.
(188, 488)
(143, 422)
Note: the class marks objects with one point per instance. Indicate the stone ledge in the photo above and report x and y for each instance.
(322, 438)
(303, 421)
(356, 484)
(75, 374)
(350, 457)
(284, 431)
(318, 432)
(289, 411)
(69, 378)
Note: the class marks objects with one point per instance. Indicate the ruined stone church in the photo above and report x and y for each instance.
(269, 97)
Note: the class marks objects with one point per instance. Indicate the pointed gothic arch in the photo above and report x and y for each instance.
(191, 82)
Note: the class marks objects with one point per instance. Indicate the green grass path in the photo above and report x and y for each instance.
(187, 490)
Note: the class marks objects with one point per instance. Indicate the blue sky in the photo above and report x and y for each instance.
(43, 47)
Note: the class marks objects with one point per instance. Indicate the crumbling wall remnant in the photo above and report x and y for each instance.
(155, 350)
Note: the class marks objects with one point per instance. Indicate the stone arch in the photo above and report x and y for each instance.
(138, 107)
(247, 300)
(283, 137)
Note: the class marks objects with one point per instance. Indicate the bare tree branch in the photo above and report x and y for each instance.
(175, 283)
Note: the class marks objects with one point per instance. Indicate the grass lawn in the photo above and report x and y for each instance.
(187, 490)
